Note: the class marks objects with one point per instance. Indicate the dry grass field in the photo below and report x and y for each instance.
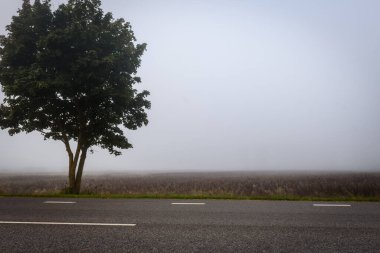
(233, 184)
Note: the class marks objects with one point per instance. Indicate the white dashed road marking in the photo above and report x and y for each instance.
(67, 223)
(333, 205)
(59, 202)
(187, 203)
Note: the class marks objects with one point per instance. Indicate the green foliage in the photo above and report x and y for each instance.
(70, 75)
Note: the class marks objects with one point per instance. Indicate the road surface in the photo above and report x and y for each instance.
(139, 225)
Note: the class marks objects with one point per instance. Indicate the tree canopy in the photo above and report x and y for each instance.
(70, 74)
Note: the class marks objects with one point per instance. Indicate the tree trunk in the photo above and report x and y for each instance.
(71, 177)
(74, 167)
(78, 178)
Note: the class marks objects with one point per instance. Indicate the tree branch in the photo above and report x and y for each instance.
(67, 145)
(77, 152)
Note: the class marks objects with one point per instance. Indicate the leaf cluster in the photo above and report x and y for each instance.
(70, 74)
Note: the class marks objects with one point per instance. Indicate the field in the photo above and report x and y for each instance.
(239, 185)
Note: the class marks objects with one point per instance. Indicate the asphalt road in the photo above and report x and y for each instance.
(135, 225)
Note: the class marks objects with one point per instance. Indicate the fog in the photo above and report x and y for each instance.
(240, 85)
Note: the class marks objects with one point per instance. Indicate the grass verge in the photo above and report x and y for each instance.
(180, 196)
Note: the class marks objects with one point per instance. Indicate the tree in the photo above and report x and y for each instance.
(70, 74)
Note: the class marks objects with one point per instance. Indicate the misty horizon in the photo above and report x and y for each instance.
(239, 86)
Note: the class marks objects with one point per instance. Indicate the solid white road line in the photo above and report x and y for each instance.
(338, 205)
(59, 202)
(187, 203)
(66, 223)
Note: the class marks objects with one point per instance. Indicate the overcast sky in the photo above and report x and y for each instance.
(241, 85)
